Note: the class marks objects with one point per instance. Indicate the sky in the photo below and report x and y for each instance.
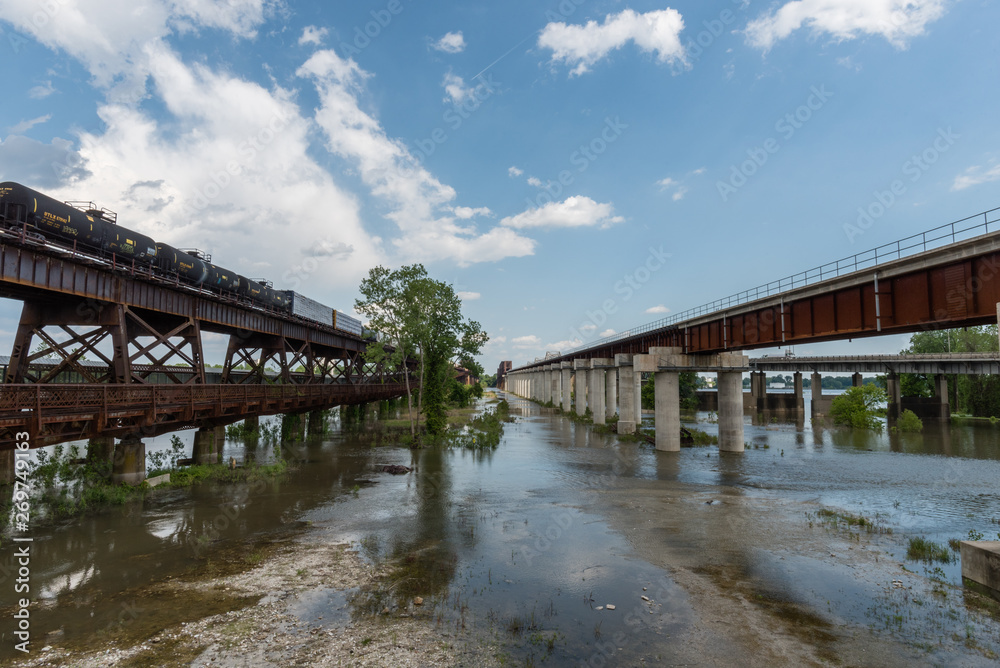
(546, 158)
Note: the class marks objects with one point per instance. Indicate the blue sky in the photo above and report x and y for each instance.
(537, 155)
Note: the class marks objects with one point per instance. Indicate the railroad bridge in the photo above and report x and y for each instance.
(947, 277)
(78, 307)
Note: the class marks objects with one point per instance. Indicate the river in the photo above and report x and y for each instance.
(706, 559)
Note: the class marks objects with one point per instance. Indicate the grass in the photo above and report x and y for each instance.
(839, 518)
(921, 549)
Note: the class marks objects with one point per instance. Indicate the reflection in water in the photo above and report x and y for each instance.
(504, 532)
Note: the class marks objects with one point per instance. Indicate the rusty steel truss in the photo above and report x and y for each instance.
(77, 307)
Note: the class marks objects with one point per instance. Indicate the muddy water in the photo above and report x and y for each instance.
(532, 544)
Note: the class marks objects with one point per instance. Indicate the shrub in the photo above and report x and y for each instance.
(859, 407)
(909, 422)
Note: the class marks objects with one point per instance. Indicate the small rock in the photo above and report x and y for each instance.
(610, 607)
(600, 607)
(645, 598)
(418, 601)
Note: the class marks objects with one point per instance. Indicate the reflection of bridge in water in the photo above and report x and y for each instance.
(947, 277)
(147, 376)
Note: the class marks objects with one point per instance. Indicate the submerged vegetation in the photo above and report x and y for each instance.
(484, 431)
(860, 407)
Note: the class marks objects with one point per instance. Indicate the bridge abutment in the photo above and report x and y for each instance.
(130, 462)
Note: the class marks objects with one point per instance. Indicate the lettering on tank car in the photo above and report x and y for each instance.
(70, 230)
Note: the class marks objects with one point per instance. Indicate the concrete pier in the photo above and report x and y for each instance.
(893, 390)
(205, 447)
(581, 368)
(566, 373)
(555, 383)
(252, 423)
(626, 394)
(981, 564)
(130, 462)
(611, 391)
(731, 403)
(820, 407)
(7, 460)
(220, 442)
(598, 389)
(317, 422)
(101, 453)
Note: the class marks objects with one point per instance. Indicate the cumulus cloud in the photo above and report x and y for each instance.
(976, 175)
(514, 172)
(418, 201)
(456, 90)
(607, 332)
(40, 165)
(897, 21)
(577, 211)
(313, 35)
(467, 213)
(526, 342)
(24, 126)
(582, 46)
(452, 42)
(469, 296)
(563, 346)
(658, 310)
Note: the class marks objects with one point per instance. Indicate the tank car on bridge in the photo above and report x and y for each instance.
(84, 228)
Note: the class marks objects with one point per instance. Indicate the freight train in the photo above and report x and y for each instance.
(85, 228)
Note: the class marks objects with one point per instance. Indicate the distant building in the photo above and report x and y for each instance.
(502, 371)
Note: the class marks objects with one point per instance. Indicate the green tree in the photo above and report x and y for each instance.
(859, 407)
(977, 395)
(420, 319)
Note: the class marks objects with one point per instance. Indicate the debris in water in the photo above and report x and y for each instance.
(395, 469)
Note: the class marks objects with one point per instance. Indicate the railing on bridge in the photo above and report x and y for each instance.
(959, 230)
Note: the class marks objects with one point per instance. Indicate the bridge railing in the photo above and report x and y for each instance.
(959, 230)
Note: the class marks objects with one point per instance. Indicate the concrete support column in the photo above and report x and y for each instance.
(220, 441)
(800, 403)
(555, 385)
(566, 374)
(205, 450)
(857, 380)
(582, 368)
(546, 385)
(252, 423)
(101, 449)
(316, 422)
(7, 467)
(667, 386)
(941, 394)
(730, 411)
(598, 389)
(611, 392)
(817, 408)
(130, 462)
(626, 394)
(637, 396)
(893, 390)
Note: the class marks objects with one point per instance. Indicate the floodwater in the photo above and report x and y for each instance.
(531, 543)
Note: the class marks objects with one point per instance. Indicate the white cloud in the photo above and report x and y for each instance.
(655, 310)
(469, 296)
(313, 35)
(514, 172)
(607, 332)
(589, 327)
(563, 346)
(418, 201)
(43, 91)
(113, 39)
(41, 165)
(583, 46)
(24, 126)
(527, 342)
(975, 176)
(456, 89)
(678, 188)
(534, 181)
(452, 42)
(576, 211)
(897, 21)
(466, 213)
